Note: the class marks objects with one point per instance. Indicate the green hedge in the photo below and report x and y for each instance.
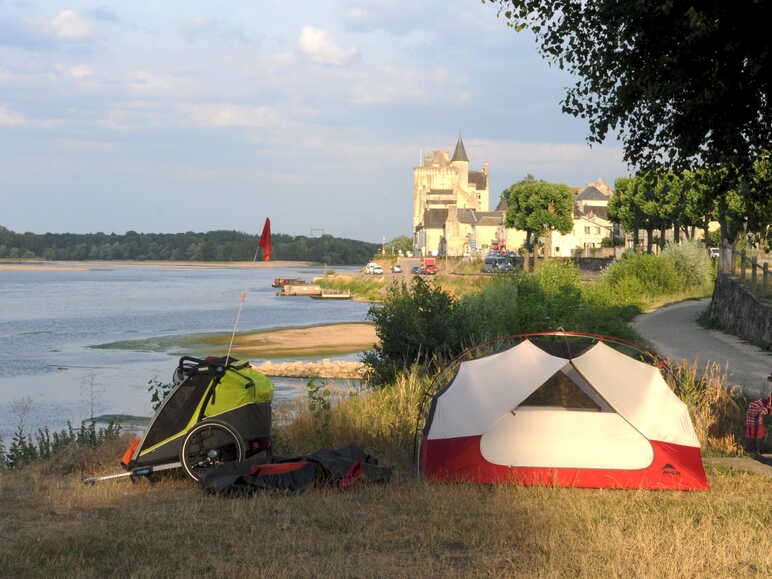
(423, 323)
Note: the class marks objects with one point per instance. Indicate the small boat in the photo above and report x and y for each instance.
(333, 294)
(282, 281)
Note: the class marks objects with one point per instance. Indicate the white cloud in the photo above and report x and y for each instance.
(81, 145)
(320, 46)
(68, 25)
(198, 28)
(545, 159)
(143, 81)
(134, 115)
(80, 71)
(392, 85)
(395, 16)
(9, 118)
(228, 115)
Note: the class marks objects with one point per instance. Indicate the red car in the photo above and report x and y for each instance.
(431, 269)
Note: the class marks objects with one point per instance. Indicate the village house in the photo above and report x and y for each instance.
(451, 214)
(591, 223)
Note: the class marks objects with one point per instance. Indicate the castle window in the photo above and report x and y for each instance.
(587, 230)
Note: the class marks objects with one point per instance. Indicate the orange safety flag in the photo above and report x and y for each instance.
(127, 456)
(265, 240)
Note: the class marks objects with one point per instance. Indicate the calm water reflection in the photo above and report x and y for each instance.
(48, 320)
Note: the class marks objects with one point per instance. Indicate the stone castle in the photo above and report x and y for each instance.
(451, 204)
(452, 216)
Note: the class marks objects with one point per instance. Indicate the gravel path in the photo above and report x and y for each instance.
(673, 331)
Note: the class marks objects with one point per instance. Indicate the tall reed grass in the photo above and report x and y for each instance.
(383, 421)
(716, 407)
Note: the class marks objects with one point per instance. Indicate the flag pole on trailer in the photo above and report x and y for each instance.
(264, 243)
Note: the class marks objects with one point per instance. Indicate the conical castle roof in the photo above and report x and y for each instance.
(460, 153)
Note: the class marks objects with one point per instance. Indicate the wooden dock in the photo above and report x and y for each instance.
(333, 294)
(300, 290)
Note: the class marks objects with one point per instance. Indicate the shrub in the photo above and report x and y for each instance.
(657, 276)
(691, 262)
(48, 444)
(496, 311)
(415, 322)
(522, 302)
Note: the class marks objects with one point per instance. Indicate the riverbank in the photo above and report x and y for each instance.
(35, 267)
(39, 265)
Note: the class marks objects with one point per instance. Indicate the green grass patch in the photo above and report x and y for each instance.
(368, 289)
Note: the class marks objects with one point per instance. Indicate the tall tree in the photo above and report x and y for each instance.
(538, 208)
(681, 81)
(401, 243)
(698, 208)
(638, 204)
(623, 208)
(684, 84)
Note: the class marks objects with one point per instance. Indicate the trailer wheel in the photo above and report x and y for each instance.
(210, 444)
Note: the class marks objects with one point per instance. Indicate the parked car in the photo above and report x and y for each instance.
(377, 270)
(417, 270)
(396, 268)
(431, 269)
(494, 264)
(714, 252)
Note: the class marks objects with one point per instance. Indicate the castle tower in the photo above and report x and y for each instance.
(446, 191)
(460, 164)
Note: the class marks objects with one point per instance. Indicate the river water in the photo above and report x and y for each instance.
(50, 318)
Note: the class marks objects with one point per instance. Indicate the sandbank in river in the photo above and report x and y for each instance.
(314, 341)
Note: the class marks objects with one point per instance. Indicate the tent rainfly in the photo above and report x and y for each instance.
(599, 420)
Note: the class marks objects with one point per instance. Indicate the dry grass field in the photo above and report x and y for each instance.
(51, 525)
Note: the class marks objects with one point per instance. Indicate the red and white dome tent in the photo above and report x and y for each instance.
(596, 418)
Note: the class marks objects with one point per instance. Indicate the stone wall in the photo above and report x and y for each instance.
(583, 263)
(738, 311)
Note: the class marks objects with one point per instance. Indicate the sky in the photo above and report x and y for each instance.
(193, 116)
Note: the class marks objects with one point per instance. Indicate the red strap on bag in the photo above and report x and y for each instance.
(351, 477)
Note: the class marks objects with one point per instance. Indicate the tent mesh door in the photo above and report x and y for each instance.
(565, 389)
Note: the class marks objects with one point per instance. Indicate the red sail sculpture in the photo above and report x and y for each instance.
(265, 240)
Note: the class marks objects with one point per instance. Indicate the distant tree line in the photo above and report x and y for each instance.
(188, 246)
(686, 201)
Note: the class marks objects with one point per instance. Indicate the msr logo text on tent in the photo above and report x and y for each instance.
(670, 469)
